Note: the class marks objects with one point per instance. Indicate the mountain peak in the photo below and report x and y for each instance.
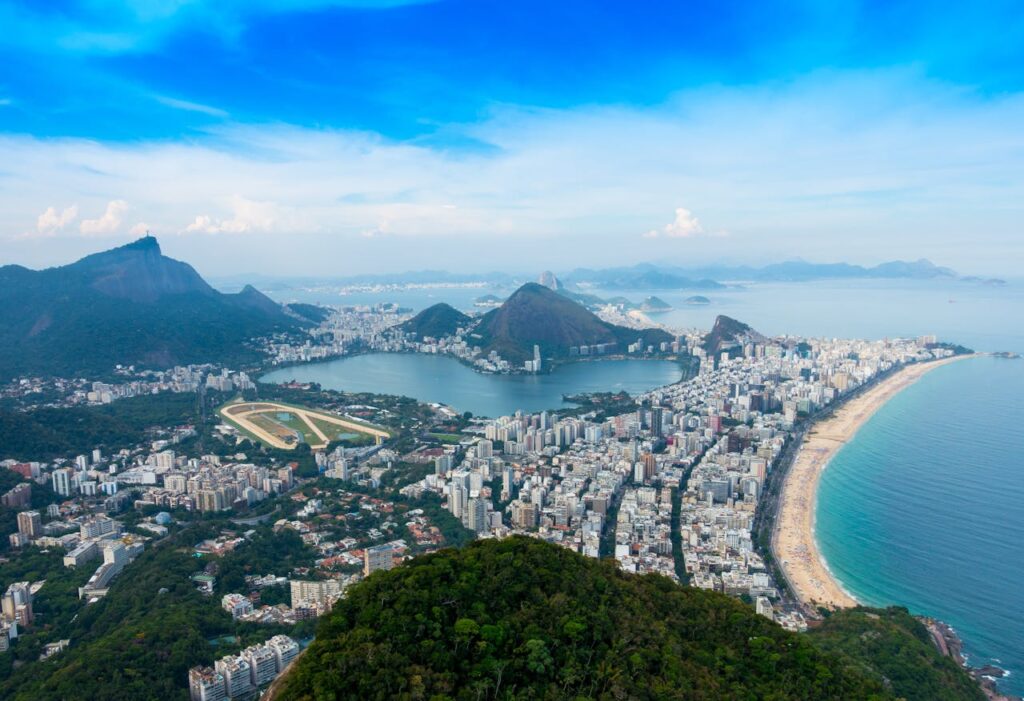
(535, 315)
(548, 280)
(728, 334)
(146, 243)
(127, 305)
(139, 271)
(436, 321)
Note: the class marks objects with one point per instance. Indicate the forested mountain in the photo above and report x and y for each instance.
(129, 305)
(436, 321)
(519, 618)
(536, 315)
(896, 648)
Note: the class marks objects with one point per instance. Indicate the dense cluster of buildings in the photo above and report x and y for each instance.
(344, 329)
(607, 487)
(207, 483)
(643, 531)
(241, 676)
(15, 610)
(63, 392)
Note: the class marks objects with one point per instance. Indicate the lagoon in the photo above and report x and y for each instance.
(435, 378)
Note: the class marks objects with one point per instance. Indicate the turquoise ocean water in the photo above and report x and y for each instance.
(925, 507)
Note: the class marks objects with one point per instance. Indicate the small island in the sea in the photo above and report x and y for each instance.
(488, 301)
(655, 304)
(697, 299)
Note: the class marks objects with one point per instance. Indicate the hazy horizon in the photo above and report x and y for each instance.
(231, 278)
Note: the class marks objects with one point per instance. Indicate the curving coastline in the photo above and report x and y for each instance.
(793, 539)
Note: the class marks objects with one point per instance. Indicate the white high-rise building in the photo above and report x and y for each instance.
(476, 515)
(237, 675)
(262, 664)
(206, 684)
(314, 592)
(62, 481)
(285, 650)
(379, 557)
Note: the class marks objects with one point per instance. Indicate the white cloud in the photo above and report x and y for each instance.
(683, 226)
(140, 229)
(248, 215)
(107, 224)
(787, 170)
(50, 222)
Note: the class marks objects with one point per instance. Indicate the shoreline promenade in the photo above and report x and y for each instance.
(793, 540)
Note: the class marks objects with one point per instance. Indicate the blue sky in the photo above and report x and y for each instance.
(366, 135)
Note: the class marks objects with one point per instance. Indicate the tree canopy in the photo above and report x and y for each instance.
(522, 619)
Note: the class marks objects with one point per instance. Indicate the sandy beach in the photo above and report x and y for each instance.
(794, 542)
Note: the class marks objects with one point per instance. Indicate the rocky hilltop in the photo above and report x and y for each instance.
(730, 335)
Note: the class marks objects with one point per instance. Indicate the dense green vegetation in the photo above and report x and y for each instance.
(48, 433)
(54, 606)
(140, 640)
(144, 639)
(519, 618)
(455, 534)
(436, 321)
(266, 553)
(311, 312)
(894, 647)
(602, 404)
(129, 305)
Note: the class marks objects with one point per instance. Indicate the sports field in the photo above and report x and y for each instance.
(285, 426)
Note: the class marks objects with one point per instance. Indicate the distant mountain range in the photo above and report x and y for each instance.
(640, 277)
(649, 276)
(532, 315)
(131, 306)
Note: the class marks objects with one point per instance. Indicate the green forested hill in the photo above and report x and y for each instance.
(47, 433)
(436, 321)
(497, 619)
(893, 646)
(522, 619)
(128, 305)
